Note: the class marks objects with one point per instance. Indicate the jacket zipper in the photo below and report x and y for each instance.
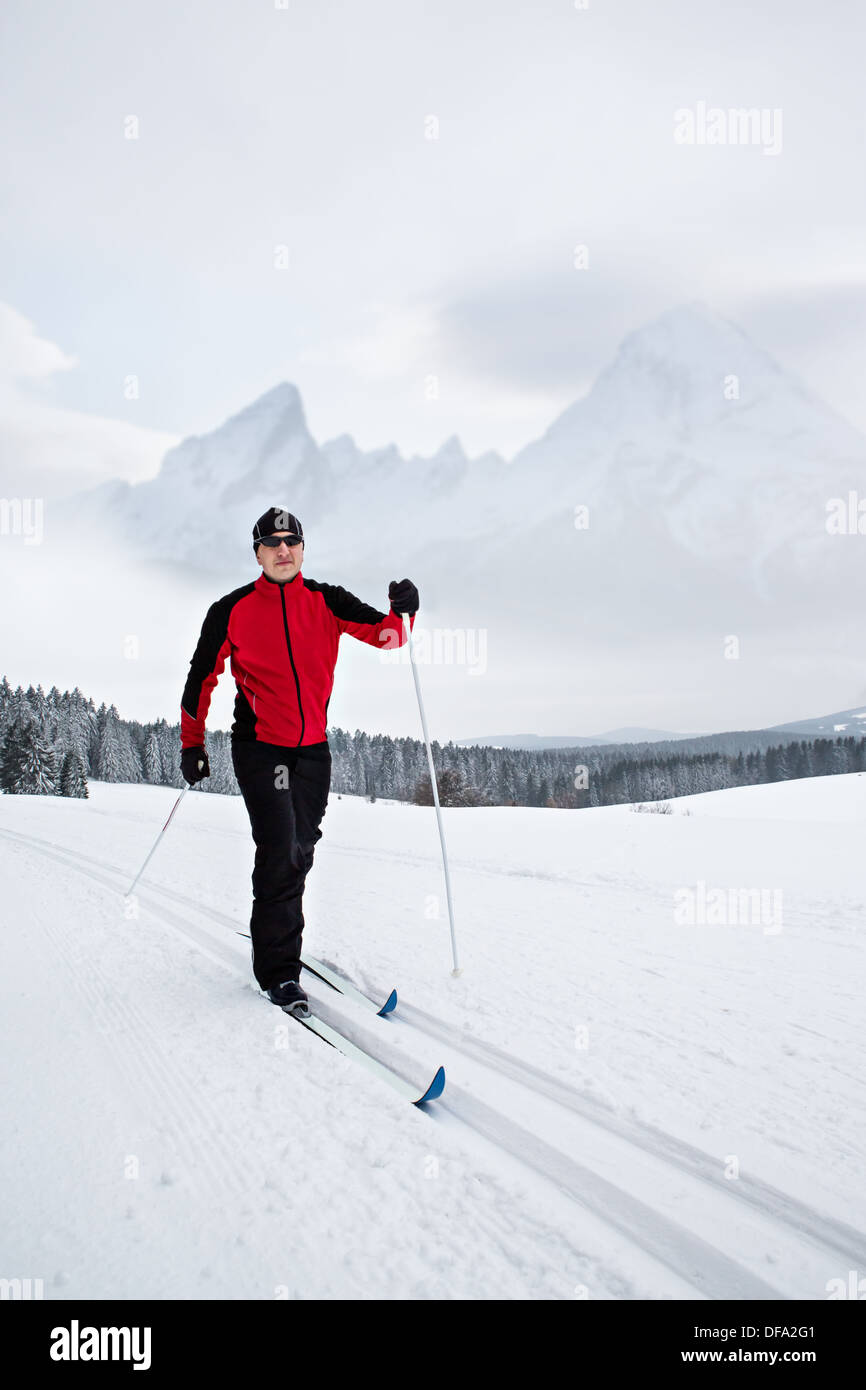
(294, 670)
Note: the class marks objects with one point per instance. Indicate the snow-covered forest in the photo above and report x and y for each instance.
(52, 743)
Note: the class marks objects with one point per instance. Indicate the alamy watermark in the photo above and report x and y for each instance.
(77, 1343)
(846, 516)
(440, 646)
(702, 906)
(22, 516)
(738, 125)
(854, 1287)
(21, 1290)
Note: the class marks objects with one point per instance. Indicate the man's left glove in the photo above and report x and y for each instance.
(403, 596)
(189, 765)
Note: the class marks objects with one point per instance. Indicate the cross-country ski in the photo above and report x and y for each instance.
(372, 1064)
(338, 982)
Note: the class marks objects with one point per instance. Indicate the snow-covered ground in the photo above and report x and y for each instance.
(636, 1107)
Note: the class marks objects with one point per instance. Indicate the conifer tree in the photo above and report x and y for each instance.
(73, 781)
(27, 763)
(153, 769)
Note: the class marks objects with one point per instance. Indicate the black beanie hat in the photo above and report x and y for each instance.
(276, 519)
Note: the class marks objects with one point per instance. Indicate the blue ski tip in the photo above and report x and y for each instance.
(435, 1089)
(390, 1004)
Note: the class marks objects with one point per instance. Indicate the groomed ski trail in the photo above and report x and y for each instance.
(709, 1270)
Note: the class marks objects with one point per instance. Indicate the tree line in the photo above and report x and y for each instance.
(52, 744)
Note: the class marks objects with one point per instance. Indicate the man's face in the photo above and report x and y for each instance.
(281, 563)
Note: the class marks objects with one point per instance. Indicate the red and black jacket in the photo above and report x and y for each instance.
(282, 642)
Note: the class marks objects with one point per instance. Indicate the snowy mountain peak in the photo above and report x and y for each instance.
(450, 453)
(256, 446)
(694, 346)
(693, 444)
(452, 449)
(689, 373)
(343, 455)
(282, 406)
(687, 367)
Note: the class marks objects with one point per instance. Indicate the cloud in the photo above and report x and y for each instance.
(24, 356)
(536, 331)
(50, 452)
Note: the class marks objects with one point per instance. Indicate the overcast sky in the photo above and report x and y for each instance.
(408, 257)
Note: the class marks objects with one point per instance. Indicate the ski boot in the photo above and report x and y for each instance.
(290, 997)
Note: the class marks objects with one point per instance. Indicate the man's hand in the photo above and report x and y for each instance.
(189, 765)
(403, 596)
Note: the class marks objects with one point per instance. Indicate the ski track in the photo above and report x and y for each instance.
(825, 1231)
(622, 883)
(231, 960)
(707, 1269)
(137, 1050)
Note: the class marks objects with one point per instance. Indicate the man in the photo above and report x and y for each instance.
(281, 633)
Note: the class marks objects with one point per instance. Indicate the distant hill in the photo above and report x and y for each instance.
(847, 721)
(628, 735)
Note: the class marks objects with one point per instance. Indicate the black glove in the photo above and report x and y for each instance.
(189, 765)
(403, 596)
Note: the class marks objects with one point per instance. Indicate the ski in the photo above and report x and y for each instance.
(343, 986)
(340, 983)
(338, 1040)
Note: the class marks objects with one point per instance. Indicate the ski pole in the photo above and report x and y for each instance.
(160, 835)
(456, 970)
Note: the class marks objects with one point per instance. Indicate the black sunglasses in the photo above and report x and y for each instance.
(274, 542)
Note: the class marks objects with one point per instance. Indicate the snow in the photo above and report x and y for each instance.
(169, 1134)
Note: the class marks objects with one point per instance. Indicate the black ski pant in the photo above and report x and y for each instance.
(286, 792)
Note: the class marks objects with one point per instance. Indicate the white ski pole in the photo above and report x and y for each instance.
(160, 835)
(456, 970)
